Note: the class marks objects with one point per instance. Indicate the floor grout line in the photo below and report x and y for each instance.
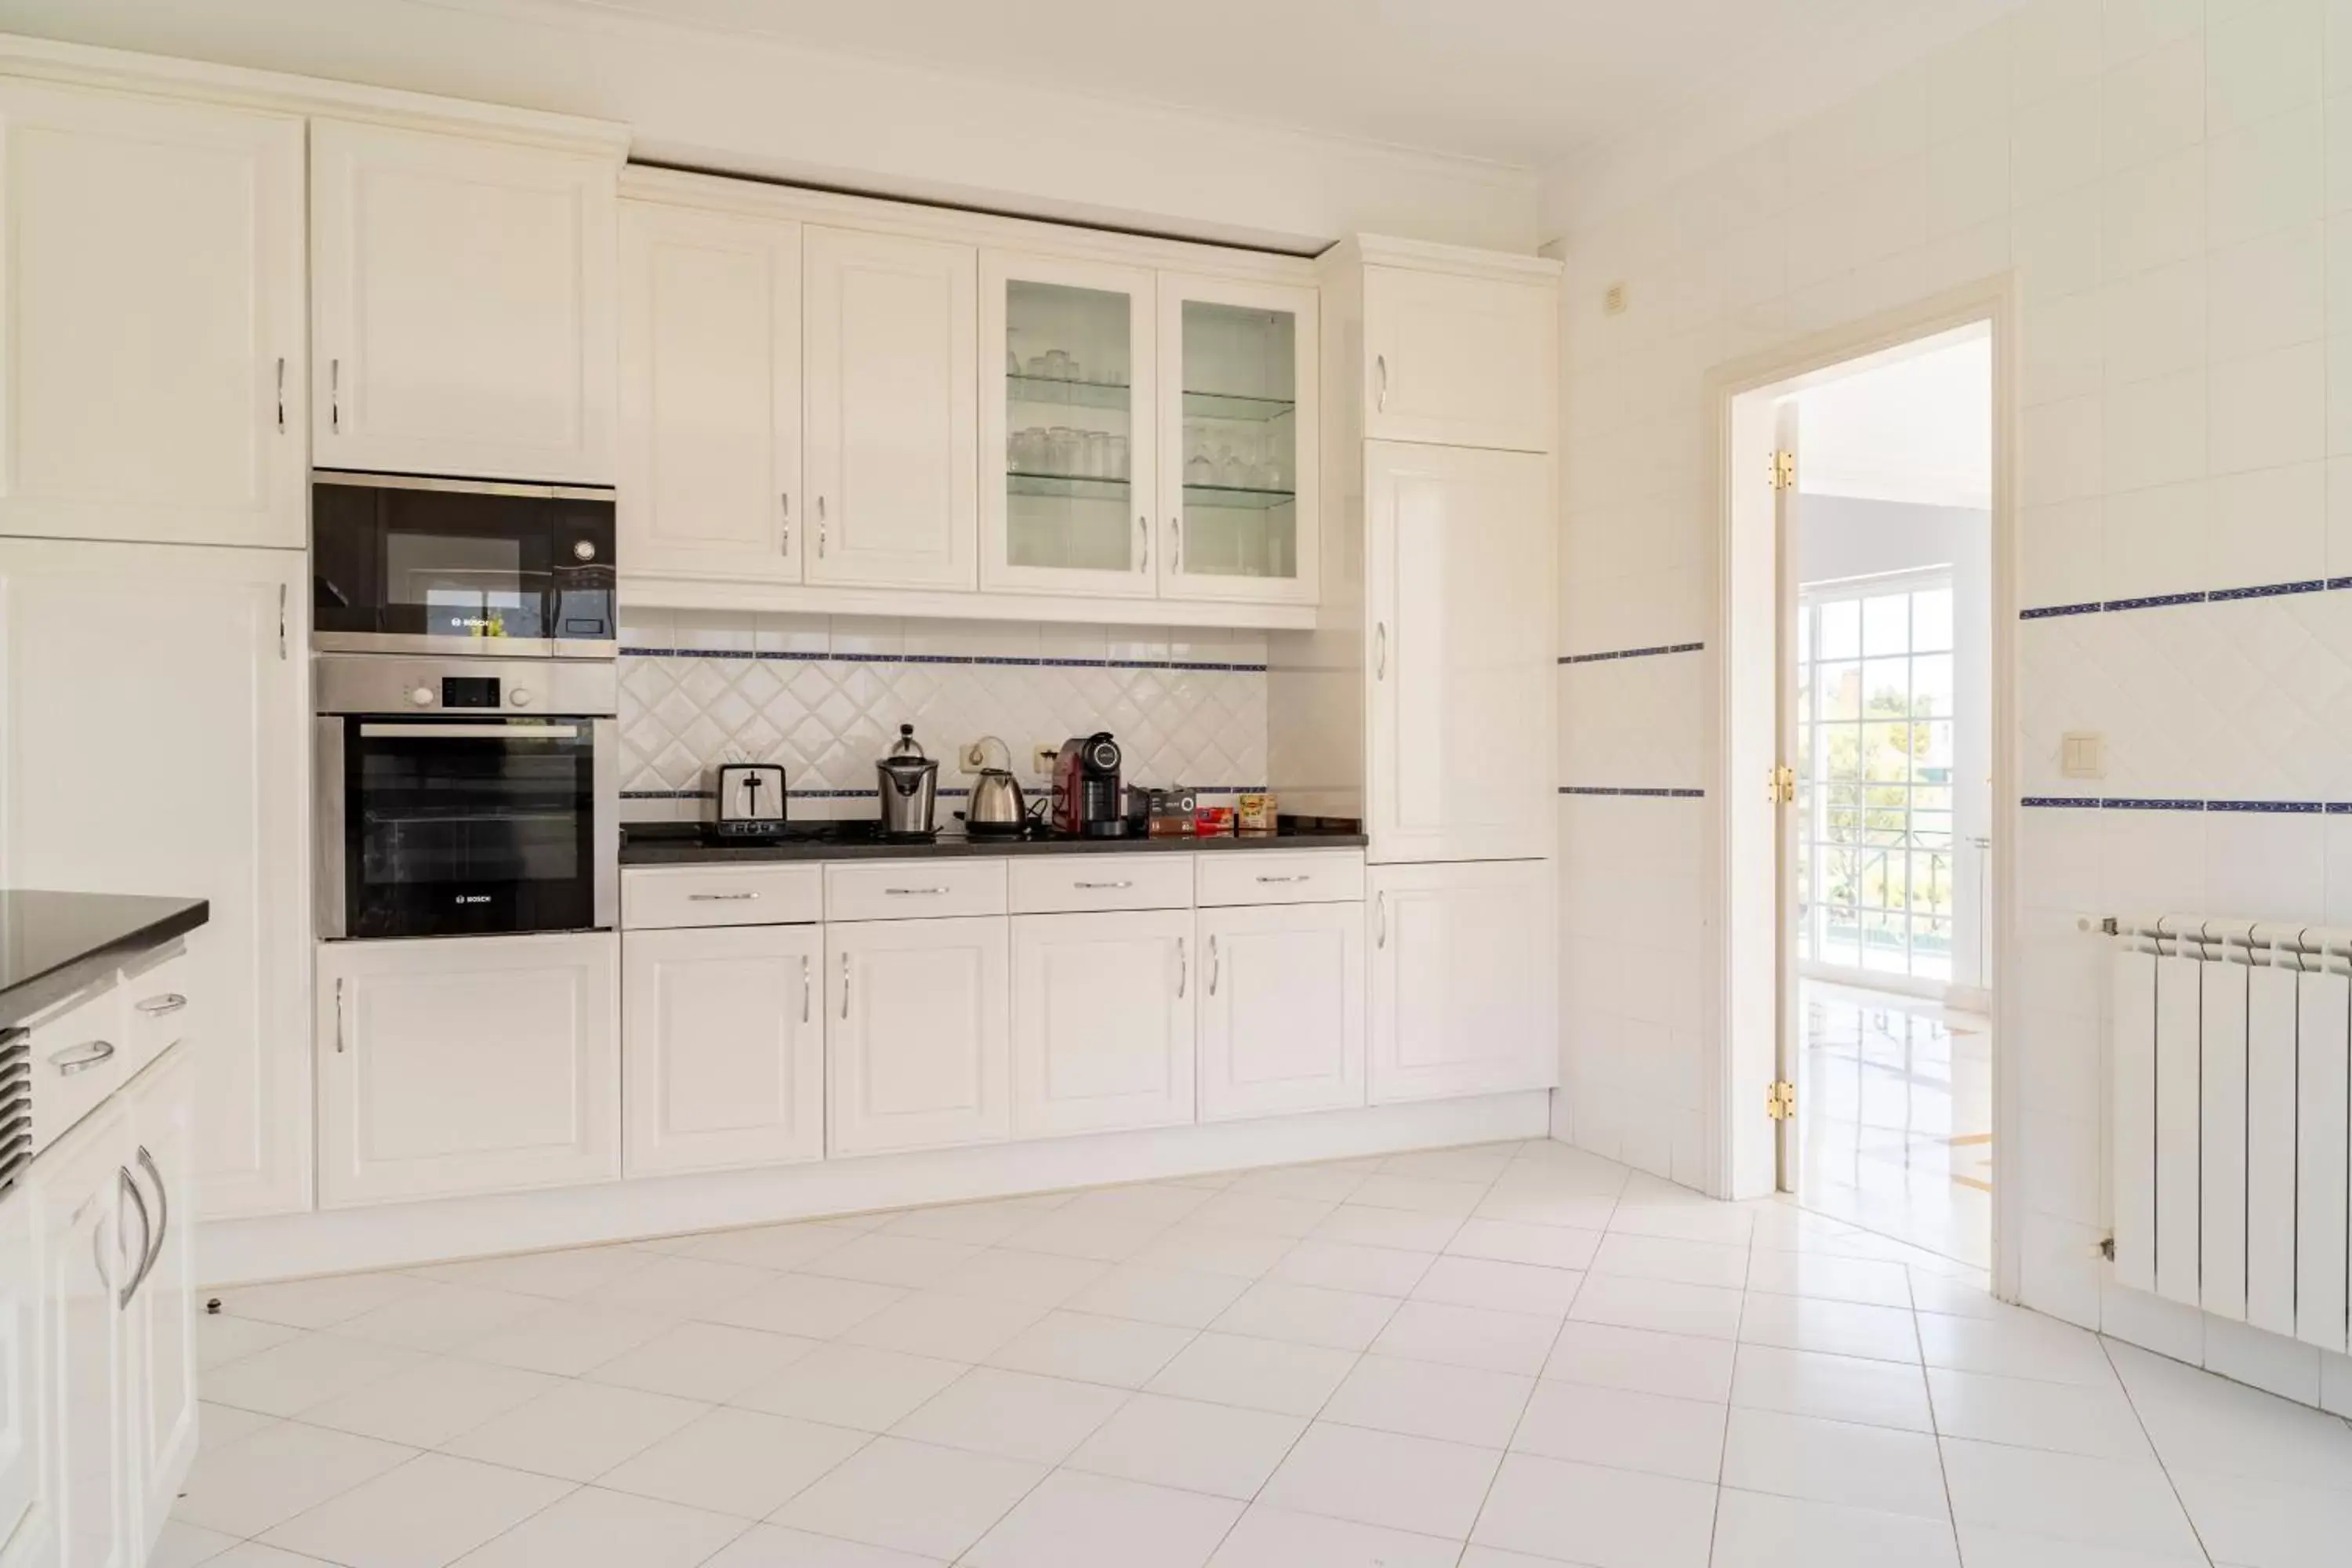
(2107, 1352)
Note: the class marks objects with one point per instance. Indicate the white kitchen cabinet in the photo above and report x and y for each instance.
(889, 409)
(474, 1065)
(1282, 1009)
(1464, 996)
(711, 395)
(30, 1495)
(1102, 1021)
(1067, 426)
(1461, 360)
(1239, 450)
(463, 304)
(91, 1246)
(159, 1322)
(917, 1033)
(1462, 711)
(722, 1046)
(154, 736)
(151, 361)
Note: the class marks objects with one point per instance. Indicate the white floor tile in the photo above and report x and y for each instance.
(1499, 1286)
(806, 1305)
(576, 1430)
(1681, 1262)
(783, 1247)
(942, 1324)
(1233, 1252)
(1468, 1336)
(1079, 1520)
(2266, 1524)
(221, 1339)
(1833, 1328)
(319, 1303)
(287, 1379)
(254, 1555)
(1619, 1427)
(1385, 1479)
(568, 1338)
(1015, 1414)
(1984, 1548)
(1307, 1315)
(1179, 1298)
(1835, 1387)
(2018, 1344)
(1361, 1225)
(560, 1276)
(678, 1284)
(1834, 1461)
(442, 1317)
(1419, 1195)
(218, 1426)
(881, 1257)
(183, 1545)
(712, 1362)
(1257, 1215)
(1543, 1203)
(975, 1224)
(591, 1528)
(2203, 1423)
(1603, 1518)
(1830, 1278)
(423, 1514)
(1953, 1298)
(1324, 1184)
(743, 1463)
(1643, 1360)
(427, 1404)
(1754, 1530)
(773, 1546)
(1140, 1205)
(1687, 1217)
(913, 1497)
(1260, 1375)
(1037, 1278)
(2098, 1502)
(1106, 1238)
(1092, 1349)
(1478, 1165)
(1424, 1399)
(1345, 1265)
(2067, 1419)
(1510, 1241)
(1662, 1305)
(852, 1385)
(1279, 1538)
(1189, 1444)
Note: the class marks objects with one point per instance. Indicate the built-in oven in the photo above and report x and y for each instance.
(473, 568)
(463, 797)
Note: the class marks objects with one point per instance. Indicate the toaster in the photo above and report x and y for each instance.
(748, 796)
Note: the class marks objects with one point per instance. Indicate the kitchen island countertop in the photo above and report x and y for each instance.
(684, 843)
(54, 944)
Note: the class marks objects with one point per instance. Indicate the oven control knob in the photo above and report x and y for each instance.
(584, 550)
(421, 695)
(519, 697)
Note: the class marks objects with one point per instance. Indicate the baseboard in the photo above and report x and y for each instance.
(285, 1246)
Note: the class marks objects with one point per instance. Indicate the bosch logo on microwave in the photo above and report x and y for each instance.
(480, 626)
(471, 899)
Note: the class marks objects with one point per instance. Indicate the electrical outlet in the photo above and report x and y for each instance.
(973, 757)
(1043, 756)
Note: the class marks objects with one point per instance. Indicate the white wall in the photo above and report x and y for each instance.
(2172, 183)
(752, 105)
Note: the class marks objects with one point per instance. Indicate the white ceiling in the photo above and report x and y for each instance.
(1533, 83)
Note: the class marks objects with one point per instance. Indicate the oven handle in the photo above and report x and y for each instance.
(470, 732)
(604, 785)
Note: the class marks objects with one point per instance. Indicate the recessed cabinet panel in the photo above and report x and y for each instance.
(152, 380)
(464, 306)
(917, 1033)
(159, 1323)
(890, 327)
(29, 1494)
(723, 1046)
(1462, 992)
(87, 1258)
(1282, 1009)
(1102, 1021)
(1460, 360)
(710, 390)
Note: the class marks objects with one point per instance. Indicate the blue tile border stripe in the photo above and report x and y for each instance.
(788, 657)
(1645, 792)
(1632, 652)
(2199, 596)
(2145, 803)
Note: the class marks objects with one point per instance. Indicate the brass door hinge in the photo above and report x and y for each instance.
(1780, 786)
(1784, 470)
(1780, 1101)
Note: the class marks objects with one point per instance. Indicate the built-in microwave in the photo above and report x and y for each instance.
(405, 563)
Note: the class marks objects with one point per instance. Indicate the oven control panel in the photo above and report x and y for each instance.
(375, 683)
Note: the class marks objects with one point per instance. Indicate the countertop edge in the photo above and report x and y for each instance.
(658, 852)
(36, 992)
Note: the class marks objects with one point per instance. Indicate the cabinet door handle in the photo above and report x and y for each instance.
(845, 986)
(720, 897)
(339, 1018)
(1143, 537)
(1379, 650)
(914, 892)
(1300, 878)
(83, 1058)
(821, 529)
(1181, 967)
(1102, 887)
(787, 544)
(162, 1219)
(1176, 545)
(1380, 919)
(1213, 966)
(805, 988)
(146, 1238)
(281, 394)
(335, 395)
(157, 1006)
(1381, 370)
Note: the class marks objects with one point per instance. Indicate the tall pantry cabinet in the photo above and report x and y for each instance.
(1426, 704)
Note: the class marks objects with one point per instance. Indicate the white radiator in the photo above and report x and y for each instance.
(2230, 1043)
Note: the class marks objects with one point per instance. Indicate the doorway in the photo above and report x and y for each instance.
(1859, 655)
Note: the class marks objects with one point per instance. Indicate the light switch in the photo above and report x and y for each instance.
(2082, 754)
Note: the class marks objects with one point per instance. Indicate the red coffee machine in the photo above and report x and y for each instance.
(1086, 788)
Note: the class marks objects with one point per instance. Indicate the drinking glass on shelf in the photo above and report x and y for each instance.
(1011, 362)
(1120, 458)
(1029, 454)
(1098, 455)
(1231, 472)
(1068, 448)
(1037, 367)
(1057, 366)
(1200, 468)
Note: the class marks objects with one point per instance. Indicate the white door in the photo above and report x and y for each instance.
(28, 1484)
(463, 306)
(1068, 426)
(154, 739)
(151, 311)
(917, 1033)
(1460, 360)
(1282, 1009)
(721, 1046)
(1102, 1021)
(1239, 449)
(710, 394)
(475, 1065)
(160, 1320)
(1459, 589)
(1463, 980)
(889, 408)
(90, 1244)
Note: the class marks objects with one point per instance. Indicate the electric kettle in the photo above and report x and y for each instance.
(909, 783)
(997, 808)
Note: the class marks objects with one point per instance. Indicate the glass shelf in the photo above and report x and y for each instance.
(1046, 390)
(1065, 487)
(1237, 498)
(1230, 405)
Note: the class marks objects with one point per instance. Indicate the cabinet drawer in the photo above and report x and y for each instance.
(656, 896)
(1276, 876)
(79, 1056)
(913, 890)
(157, 1007)
(1079, 884)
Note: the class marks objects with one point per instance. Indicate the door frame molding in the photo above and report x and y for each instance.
(1991, 301)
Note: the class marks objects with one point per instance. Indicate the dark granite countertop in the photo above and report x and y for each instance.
(52, 944)
(687, 844)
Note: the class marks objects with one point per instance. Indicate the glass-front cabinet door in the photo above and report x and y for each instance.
(1070, 382)
(1237, 441)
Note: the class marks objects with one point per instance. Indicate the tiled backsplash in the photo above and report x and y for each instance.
(825, 697)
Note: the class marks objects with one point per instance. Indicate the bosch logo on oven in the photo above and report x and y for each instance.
(471, 899)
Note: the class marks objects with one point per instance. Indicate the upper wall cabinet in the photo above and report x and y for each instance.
(1460, 360)
(711, 395)
(151, 331)
(890, 327)
(464, 306)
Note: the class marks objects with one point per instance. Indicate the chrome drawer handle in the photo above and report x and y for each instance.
(1183, 969)
(720, 897)
(67, 1063)
(916, 892)
(1302, 877)
(1101, 887)
(157, 1006)
(1213, 966)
